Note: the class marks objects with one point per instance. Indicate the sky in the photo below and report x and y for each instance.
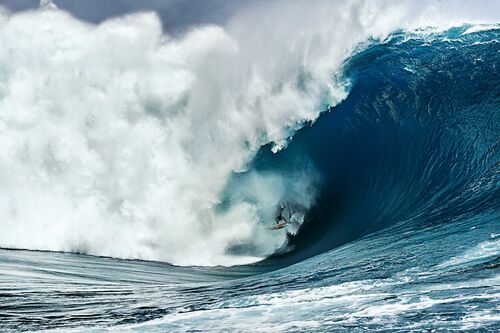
(177, 15)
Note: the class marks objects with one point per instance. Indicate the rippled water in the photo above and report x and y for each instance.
(440, 278)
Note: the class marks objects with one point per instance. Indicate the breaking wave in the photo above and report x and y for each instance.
(121, 140)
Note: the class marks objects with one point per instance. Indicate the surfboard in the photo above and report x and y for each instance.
(277, 226)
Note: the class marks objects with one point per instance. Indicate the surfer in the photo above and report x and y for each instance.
(288, 214)
(280, 218)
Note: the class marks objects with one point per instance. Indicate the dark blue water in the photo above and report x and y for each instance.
(404, 235)
(416, 143)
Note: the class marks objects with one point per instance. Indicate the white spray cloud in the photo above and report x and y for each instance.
(118, 139)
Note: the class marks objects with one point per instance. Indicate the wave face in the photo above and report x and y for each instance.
(414, 145)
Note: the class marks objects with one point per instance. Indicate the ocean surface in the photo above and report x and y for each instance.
(403, 234)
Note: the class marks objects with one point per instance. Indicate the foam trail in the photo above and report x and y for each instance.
(117, 139)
